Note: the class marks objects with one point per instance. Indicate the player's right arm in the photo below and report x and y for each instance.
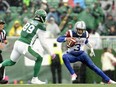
(65, 37)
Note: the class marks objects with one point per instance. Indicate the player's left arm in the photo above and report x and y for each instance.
(89, 45)
(61, 39)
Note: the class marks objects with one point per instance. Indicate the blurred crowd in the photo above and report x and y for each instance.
(99, 15)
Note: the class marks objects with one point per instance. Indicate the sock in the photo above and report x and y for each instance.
(8, 62)
(37, 67)
(37, 62)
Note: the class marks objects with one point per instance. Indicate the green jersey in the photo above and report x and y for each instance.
(30, 30)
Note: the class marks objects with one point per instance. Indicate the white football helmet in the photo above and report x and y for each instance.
(80, 27)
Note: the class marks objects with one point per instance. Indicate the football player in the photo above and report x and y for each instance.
(76, 53)
(32, 30)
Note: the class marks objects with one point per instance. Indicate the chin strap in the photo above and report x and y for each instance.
(79, 34)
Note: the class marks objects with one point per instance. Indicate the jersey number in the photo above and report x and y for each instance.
(77, 47)
(28, 28)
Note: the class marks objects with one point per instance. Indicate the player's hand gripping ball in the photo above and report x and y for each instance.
(71, 41)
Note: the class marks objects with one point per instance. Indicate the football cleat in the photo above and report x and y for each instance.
(73, 77)
(3, 81)
(35, 80)
(111, 82)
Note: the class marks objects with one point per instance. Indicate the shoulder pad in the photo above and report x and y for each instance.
(69, 33)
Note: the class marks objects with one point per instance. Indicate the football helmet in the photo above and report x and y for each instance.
(40, 15)
(80, 27)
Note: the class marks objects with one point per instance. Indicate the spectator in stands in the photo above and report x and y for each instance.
(97, 13)
(82, 3)
(60, 4)
(24, 9)
(16, 29)
(112, 30)
(15, 3)
(53, 13)
(64, 13)
(107, 59)
(74, 18)
(77, 8)
(27, 2)
(44, 5)
(25, 13)
(86, 16)
(4, 6)
(108, 23)
(8, 17)
(52, 28)
(89, 2)
(32, 7)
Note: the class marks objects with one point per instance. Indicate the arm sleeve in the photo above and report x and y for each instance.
(41, 37)
(89, 45)
(61, 39)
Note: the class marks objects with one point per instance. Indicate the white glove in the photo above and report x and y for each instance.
(92, 52)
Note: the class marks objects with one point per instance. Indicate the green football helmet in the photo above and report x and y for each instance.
(40, 15)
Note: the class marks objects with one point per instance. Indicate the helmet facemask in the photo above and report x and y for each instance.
(80, 31)
(41, 19)
(40, 15)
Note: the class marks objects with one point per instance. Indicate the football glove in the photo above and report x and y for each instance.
(92, 52)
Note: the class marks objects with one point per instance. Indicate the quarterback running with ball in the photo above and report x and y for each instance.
(32, 30)
(76, 53)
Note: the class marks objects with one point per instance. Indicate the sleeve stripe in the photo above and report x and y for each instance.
(87, 34)
(70, 33)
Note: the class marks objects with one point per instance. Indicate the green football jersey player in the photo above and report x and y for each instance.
(34, 29)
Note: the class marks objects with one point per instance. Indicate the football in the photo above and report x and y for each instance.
(71, 42)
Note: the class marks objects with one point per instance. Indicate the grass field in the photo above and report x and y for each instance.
(59, 85)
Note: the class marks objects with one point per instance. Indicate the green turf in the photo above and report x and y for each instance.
(60, 85)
